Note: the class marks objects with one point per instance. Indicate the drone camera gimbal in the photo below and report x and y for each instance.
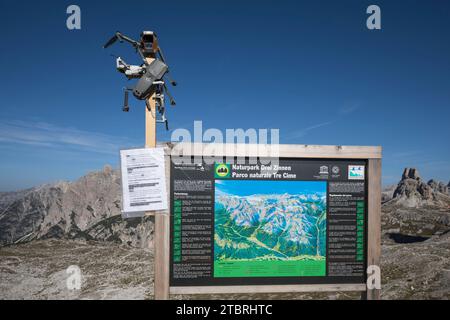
(150, 74)
(149, 42)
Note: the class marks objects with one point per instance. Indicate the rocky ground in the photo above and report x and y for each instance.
(37, 270)
(419, 270)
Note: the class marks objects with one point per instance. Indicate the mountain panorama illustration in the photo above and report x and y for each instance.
(270, 228)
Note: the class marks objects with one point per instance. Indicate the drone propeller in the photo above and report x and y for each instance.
(111, 41)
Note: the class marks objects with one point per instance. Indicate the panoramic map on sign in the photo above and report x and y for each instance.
(274, 228)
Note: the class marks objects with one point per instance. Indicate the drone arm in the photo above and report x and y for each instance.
(120, 37)
(161, 55)
(127, 39)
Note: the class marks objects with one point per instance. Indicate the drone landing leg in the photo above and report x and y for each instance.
(125, 107)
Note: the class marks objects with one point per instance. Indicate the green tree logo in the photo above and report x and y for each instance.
(222, 170)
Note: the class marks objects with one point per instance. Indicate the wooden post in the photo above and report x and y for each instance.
(150, 118)
(374, 223)
(161, 227)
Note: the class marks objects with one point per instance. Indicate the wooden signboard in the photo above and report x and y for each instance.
(242, 220)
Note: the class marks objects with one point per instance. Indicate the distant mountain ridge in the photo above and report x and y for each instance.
(88, 208)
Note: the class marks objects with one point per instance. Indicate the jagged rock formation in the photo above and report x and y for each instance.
(412, 191)
(417, 211)
(88, 208)
(438, 186)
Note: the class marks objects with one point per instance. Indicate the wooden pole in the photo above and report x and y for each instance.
(374, 223)
(150, 117)
(161, 227)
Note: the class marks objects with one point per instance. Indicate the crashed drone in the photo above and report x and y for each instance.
(150, 74)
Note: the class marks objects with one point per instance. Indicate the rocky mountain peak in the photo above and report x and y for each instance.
(89, 208)
(107, 169)
(412, 191)
(411, 173)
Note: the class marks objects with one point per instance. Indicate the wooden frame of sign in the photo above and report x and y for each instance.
(370, 153)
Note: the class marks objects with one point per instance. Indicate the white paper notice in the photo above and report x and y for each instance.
(143, 180)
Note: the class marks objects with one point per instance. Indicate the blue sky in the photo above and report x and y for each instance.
(310, 68)
(246, 187)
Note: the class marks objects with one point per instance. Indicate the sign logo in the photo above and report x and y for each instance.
(335, 170)
(355, 172)
(323, 170)
(222, 170)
